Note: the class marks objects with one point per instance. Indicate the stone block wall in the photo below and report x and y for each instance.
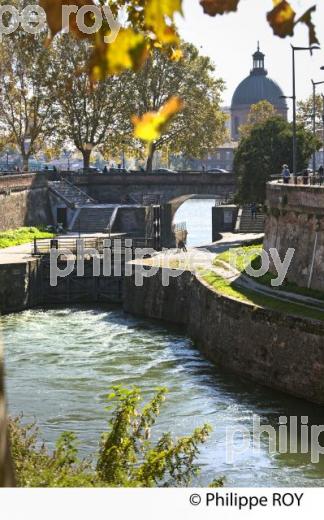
(24, 201)
(295, 219)
(131, 220)
(19, 286)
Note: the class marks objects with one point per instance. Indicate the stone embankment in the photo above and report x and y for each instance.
(277, 350)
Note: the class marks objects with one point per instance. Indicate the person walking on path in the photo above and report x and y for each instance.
(253, 211)
(286, 174)
(321, 175)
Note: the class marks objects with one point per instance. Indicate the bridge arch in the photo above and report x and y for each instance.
(197, 217)
(177, 202)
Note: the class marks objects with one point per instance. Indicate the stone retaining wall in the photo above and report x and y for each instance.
(282, 352)
(24, 201)
(295, 219)
(19, 286)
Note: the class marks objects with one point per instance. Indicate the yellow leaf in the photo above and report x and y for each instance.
(128, 51)
(150, 126)
(156, 14)
(176, 55)
(282, 18)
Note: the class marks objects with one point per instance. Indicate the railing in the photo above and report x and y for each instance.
(70, 203)
(83, 193)
(229, 197)
(300, 180)
(71, 245)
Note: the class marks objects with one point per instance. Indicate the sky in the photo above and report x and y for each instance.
(231, 39)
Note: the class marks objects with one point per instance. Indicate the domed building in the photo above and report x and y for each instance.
(256, 87)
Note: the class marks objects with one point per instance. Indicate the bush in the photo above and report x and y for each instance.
(126, 457)
(24, 235)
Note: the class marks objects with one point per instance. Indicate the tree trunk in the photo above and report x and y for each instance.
(149, 162)
(25, 159)
(86, 158)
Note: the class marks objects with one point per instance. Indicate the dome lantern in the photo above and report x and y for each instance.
(258, 62)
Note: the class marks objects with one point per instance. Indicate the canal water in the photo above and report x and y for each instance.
(61, 363)
(197, 214)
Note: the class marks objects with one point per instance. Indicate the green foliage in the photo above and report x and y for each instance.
(305, 114)
(200, 126)
(259, 113)
(36, 467)
(263, 152)
(27, 102)
(24, 235)
(89, 116)
(126, 457)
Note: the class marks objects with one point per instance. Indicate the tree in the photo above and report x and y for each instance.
(200, 126)
(305, 114)
(259, 113)
(27, 105)
(89, 115)
(263, 152)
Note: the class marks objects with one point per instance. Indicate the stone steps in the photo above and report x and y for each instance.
(249, 225)
(93, 220)
(70, 193)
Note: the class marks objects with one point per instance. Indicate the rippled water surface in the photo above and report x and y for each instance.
(60, 365)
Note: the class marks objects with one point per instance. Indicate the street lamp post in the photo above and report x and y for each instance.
(323, 128)
(315, 83)
(294, 49)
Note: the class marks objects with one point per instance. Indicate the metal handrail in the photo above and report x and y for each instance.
(78, 189)
(43, 246)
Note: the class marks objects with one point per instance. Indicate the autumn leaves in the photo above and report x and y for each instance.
(149, 25)
(151, 125)
(282, 17)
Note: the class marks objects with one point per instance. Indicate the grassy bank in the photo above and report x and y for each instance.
(250, 255)
(237, 292)
(24, 235)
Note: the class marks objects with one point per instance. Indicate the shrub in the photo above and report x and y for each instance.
(126, 457)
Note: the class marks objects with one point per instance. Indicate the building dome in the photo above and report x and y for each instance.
(256, 87)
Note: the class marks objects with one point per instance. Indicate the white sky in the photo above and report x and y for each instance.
(231, 39)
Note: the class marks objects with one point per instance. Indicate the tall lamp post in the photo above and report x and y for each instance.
(315, 83)
(323, 127)
(294, 49)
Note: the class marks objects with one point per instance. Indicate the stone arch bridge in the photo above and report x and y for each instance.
(25, 201)
(169, 191)
(172, 189)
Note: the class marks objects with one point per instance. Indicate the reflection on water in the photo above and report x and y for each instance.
(60, 365)
(197, 213)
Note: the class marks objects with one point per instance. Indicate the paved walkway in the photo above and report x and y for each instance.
(16, 254)
(23, 254)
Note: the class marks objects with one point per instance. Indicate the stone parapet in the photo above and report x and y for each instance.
(295, 219)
